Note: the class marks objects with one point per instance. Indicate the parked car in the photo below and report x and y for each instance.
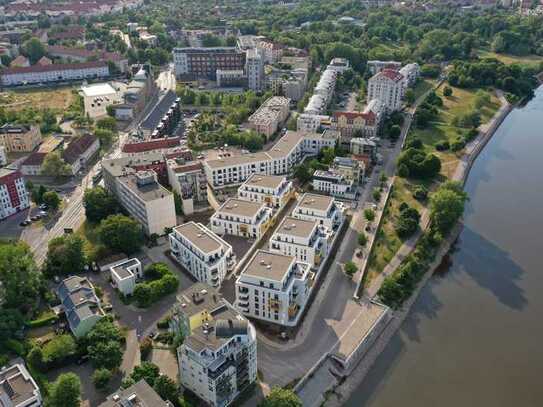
(25, 223)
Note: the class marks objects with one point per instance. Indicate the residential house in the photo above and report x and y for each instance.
(243, 218)
(125, 275)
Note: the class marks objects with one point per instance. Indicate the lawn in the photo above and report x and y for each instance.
(423, 86)
(511, 59)
(53, 98)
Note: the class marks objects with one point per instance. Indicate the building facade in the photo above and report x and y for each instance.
(273, 190)
(54, 73)
(333, 183)
(324, 209)
(14, 197)
(242, 218)
(254, 68)
(188, 180)
(202, 63)
(388, 86)
(270, 115)
(411, 72)
(125, 275)
(19, 138)
(204, 254)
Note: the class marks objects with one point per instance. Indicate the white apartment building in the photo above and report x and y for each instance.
(218, 358)
(254, 68)
(280, 159)
(243, 218)
(189, 180)
(304, 239)
(204, 254)
(14, 197)
(272, 113)
(3, 156)
(324, 209)
(388, 86)
(142, 196)
(333, 183)
(274, 288)
(310, 122)
(125, 274)
(272, 190)
(411, 72)
(53, 73)
(17, 387)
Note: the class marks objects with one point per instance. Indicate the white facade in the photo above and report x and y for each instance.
(324, 209)
(333, 183)
(13, 194)
(18, 388)
(189, 181)
(3, 156)
(411, 72)
(274, 288)
(54, 73)
(124, 275)
(241, 218)
(388, 86)
(270, 115)
(305, 239)
(272, 190)
(254, 67)
(204, 254)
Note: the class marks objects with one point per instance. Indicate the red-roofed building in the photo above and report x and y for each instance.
(33, 163)
(44, 61)
(388, 86)
(359, 124)
(151, 145)
(13, 194)
(83, 55)
(80, 151)
(53, 73)
(19, 62)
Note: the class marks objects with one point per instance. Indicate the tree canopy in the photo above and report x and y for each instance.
(280, 397)
(121, 233)
(99, 204)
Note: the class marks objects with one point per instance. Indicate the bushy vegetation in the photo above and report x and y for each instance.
(162, 282)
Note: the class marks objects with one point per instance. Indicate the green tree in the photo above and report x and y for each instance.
(101, 378)
(350, 268)
(280, 397)
(52, 200)
(58, 350)
(99, 204)
(108, 123)
(11, 322)
(166, 388)
(394, 132)
(105, 136)
(33, 49)
(369, 214)
(121, 233)
(147, 371)
(65, 255)
(107, 354)
(447, 206)
(20, 280)
(65, 391)
(409, 96)
(362, 239)
(55, 166)
(447, 91)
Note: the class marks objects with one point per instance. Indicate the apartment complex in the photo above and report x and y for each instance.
(333, 183)
(351, 169)
(290, 78)
(141, 195)
(278, 160)
(202, 63)
(243, 218)
(125, 274)
(304, 239)
(80, 151)
(324, 209)
(19, 138)
(80, 304)
(254, 68)
(272, 190)
(13, 194)
(204, 254)
(270, 115)
(53, 73)
(17, 387)
(217, 359)
(139, 394)
(274, 288)
(366, 123)
(388, 86)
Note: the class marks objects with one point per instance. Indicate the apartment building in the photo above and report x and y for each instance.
(366, 123)
(188, 180)
(333, 183)
(271, 51)
(69, 54)
(324, 209)
(80, 151)
(280, 159)
(53, 73)
(80, 304)
(273, 190)
(376, 66)
(140, 394)
(202, 253)
(217, 359)
(388, 86)
(350, 169)
(202, 63)
(142, 197)
(14, 197)
(411, 72)
(17, 387)
(18, 138)
(274, 288)
(304, 239)
(234, 78)
(254, 68)
(270, 115)
(243, 218)
(125, 274)
(3, 155)
(364, 146)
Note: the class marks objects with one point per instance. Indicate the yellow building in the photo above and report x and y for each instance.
(19, 138)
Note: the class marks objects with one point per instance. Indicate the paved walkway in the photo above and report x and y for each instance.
(131, 356)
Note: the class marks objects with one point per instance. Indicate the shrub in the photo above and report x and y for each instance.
(369, 214)
(146, 346)
(164, 283)
(376, 194)
(58, 350)
(457, 145)
(403, 171)
(362, 239)
(443, 146)
(44, 321)
(350, 268)
(101, 378)
(420, 193)
(447, 91)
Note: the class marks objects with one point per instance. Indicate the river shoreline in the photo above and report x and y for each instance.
(341, 393)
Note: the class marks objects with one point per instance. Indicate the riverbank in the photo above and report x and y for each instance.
(343, 391)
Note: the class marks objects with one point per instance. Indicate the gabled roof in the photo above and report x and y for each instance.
(34, 159)
(53, 67)
(77, 147)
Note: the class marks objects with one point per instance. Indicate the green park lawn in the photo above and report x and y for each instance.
(511, 59)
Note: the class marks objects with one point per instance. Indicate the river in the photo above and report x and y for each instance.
(474, 336)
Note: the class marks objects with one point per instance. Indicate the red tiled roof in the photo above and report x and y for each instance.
(78, 147)
(54, 67)
(44, 61)
(369, 116)
(83, 53)
(391, 74)
(188, 167)
(35, 159)
(20, 60)
(156, 144)
(70, 33)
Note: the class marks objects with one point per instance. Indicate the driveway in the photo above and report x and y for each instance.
(166, 361)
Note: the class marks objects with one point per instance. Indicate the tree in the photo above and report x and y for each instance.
(166, 388)
(447, 206)
(108, 355)
(447, 91)
(376, 194)
(101, 378)
(57, 350)
(65, 256)
(147, 371)
(362, 239)
(369, 214)
(303, 173)
(33, 49)
(407, 222)
(280, 397)
(108, 123)
(37, 194)
(403, 171)
(55, 166)
(65, 391)
(52, 200)
(350, 268)
(394, 132)
(99, 204)
(105, 136)
(11, 322)
(409, 96)
(20, 280)
(121, 233)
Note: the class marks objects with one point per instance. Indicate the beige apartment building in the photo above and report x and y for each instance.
(19, 138)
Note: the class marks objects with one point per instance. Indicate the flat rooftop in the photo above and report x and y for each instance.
(265, 181)
(317, 202)
(99, 89)
(148, 192)
(139, 394)
(122, 269)
(286, 144)
(268, 265)
(201, 237)
(199, 297)
(15, 386)
(297, 227)
(238, 160)
(240, 207)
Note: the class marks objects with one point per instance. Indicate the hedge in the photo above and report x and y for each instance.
(47, 320)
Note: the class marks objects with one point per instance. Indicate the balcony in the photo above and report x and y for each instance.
(243, 297)
(243, 304)
(274, 304)
(293, 311)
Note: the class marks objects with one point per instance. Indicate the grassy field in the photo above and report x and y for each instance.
(461, 102)
(423, 86)
(511, 59)
(53, 98)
